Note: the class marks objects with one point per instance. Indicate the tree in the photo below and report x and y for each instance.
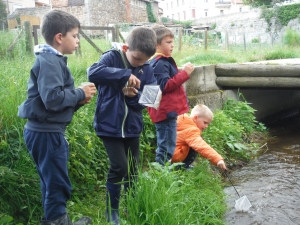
(3, 13)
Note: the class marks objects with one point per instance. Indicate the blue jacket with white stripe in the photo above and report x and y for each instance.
(117, 115)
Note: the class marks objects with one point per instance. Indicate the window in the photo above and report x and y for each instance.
(184, 15)
(194, 13)
(205, 13)
(178, 16)
(221, 12)
(182, 2)
(177, 3)
(75, 2)
(171, 5)
(240, 9)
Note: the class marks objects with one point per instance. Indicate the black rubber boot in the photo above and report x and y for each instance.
(65, 220)
(112, 202)
(83, 221)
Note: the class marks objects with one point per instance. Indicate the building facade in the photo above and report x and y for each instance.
(89, 12)
(194, 9)
(12, 5)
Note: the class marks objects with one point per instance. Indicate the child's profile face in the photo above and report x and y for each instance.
(166, 46)
(202, 122)
(135, 58)
(69, 42)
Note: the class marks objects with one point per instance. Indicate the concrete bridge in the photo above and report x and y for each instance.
(272, 87)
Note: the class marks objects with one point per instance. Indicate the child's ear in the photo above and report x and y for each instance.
(195, 118)
(58, 38)
(157, 46)
(125, 48)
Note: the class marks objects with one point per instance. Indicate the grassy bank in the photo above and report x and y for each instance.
(162, 197)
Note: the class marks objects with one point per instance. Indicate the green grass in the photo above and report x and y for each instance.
(177, 197)
(162, 197)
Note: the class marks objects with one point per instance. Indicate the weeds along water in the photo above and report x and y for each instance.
(162, 197)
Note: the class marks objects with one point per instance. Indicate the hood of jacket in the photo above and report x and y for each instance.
(44, 48)
(186, 122)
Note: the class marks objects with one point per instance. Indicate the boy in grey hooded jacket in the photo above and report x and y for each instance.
(49, 108)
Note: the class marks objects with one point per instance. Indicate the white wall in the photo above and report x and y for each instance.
(14, 4)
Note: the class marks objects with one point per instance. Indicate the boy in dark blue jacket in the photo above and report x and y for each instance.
(174, 100)
(120, 76)
(49, 108)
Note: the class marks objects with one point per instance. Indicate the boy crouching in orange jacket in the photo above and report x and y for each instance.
(189, 141)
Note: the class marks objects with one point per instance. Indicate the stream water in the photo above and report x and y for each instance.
(271, 182)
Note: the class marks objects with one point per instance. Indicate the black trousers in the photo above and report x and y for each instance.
(190, 158)
(124, 156)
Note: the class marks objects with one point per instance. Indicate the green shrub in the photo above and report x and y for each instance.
(255, 40)
(151, 16)
(291, 37)
(287, 13)
(231, 130)
(280, 53)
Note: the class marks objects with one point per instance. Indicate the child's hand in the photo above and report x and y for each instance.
(221, 165)
(89, 91)
(133, 81)
(130, 91)
(189, 68)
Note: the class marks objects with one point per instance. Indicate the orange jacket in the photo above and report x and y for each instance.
(189, 136)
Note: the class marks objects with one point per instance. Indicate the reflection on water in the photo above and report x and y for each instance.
(271, 182)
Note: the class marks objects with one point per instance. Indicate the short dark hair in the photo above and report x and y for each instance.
(57, 21)
(161, 32)
(142, 39)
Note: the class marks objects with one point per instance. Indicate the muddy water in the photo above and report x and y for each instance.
(271, 182)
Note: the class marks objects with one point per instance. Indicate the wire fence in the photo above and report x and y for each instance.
(202, 38)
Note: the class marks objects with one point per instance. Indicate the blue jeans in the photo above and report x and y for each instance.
(50, 153)
(166, 140)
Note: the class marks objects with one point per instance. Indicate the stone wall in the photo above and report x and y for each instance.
(269, 104)
(248, 24)
(106, 12)
(98, 12)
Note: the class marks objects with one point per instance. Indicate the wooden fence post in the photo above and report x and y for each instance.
(244, 40)
(226, 40)
(117, 33)
(205, 39)
(180, 38)
(35, 34)
(28, 37)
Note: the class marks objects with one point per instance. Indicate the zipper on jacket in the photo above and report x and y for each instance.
(125, 105)
(125, 116)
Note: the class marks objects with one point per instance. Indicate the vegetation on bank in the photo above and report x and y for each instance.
(162, 196)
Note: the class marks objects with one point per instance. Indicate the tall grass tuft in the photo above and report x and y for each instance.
(291, 38)
(7, 38)
(177, 197)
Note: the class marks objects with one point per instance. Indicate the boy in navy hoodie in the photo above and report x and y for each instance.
(49, 108)
(120, 76)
